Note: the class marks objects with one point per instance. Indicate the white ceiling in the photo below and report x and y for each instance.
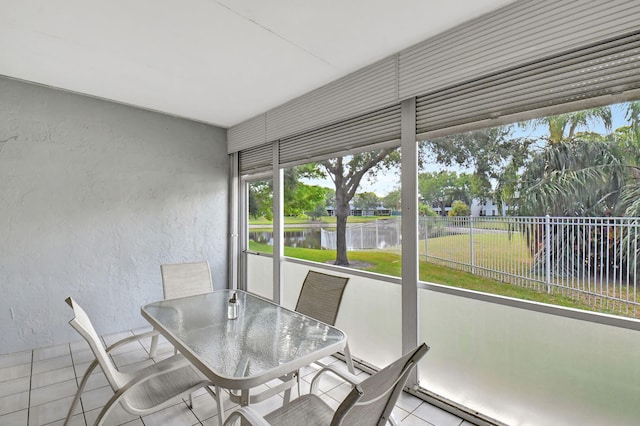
(215, 61)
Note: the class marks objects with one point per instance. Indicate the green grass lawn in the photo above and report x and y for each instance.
(510, 251)
(388, 263)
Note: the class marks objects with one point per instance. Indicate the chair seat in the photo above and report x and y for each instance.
(163, 387)
(307, 410)
(144, 391)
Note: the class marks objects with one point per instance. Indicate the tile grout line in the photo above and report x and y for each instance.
(75, 375)
(30, 384)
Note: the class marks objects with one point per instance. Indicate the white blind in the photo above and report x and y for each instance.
(604, 68)
(256, 159)
(375, 127)
(362, 91)
(527, 55)
(248, 134)
(519, 33)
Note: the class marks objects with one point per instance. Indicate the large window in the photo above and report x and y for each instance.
(260, 214)
(542, 210)
(343, 211)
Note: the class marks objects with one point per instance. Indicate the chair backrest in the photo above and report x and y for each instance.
(186, 279)
(321, 295)
(82, 324)
(371, 402)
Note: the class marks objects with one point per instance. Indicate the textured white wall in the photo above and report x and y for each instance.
(94, 196)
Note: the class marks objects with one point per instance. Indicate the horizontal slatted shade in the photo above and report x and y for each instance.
(526, 56)
(519, 33)
(256, 159)
(605, 68)
(248, 134)
(362, 91)
(379, 126)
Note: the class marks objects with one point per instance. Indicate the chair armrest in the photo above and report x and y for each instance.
(248, 414)
(352, 379)
(131, 339)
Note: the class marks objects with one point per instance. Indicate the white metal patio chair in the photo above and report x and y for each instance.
(145, 391)
(320, 298)
(370, 401)
(181, 280)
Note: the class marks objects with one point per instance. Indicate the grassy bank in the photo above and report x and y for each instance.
(384, 262)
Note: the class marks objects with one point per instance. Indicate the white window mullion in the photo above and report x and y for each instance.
(409, 171)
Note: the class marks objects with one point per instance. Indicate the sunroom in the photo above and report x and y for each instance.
(106, 179)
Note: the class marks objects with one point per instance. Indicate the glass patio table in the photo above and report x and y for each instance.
(266, 341)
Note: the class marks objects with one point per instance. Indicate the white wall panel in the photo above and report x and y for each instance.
(524, 367)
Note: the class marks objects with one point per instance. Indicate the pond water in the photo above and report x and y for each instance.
(308, 238)
(378, 234)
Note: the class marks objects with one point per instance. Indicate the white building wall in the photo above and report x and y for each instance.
(486, 208)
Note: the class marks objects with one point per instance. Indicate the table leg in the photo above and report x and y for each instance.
(219, 393)
(244, 397)
(244, 401)
(154, 346)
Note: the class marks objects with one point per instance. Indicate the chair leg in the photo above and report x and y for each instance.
(286, 398)
(154, 346)
(347, 355)
(83, 383)
(113, 401)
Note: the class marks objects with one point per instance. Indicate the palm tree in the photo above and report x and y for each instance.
(628, 138)
(564, 126)
(580, 177)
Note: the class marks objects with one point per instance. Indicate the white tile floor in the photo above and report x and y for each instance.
(37, 387)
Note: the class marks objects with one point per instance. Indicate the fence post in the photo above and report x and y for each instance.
(425, 223)
(473, 263)
(547, 250)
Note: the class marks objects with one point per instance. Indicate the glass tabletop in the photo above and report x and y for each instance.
(265, 341)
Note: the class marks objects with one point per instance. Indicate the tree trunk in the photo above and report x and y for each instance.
(342, 213)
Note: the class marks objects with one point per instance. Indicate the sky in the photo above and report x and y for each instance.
(386, 182)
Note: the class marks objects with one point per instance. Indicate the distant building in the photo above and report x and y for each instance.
(478, 208)
(487, 207)
(378, 211)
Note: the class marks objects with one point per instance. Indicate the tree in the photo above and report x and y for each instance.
(489, 153)
(260, 199)
(304, 199)
(564, 126)
(298, 197)
(425, 210)
(628, 141)
(393, 200)
(459, 208)
(579, 177)
(319, 211)
(346, 174)
(366, 201)
(443, 187)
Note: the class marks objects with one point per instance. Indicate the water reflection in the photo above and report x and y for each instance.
(378, 234)
(308, 238)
